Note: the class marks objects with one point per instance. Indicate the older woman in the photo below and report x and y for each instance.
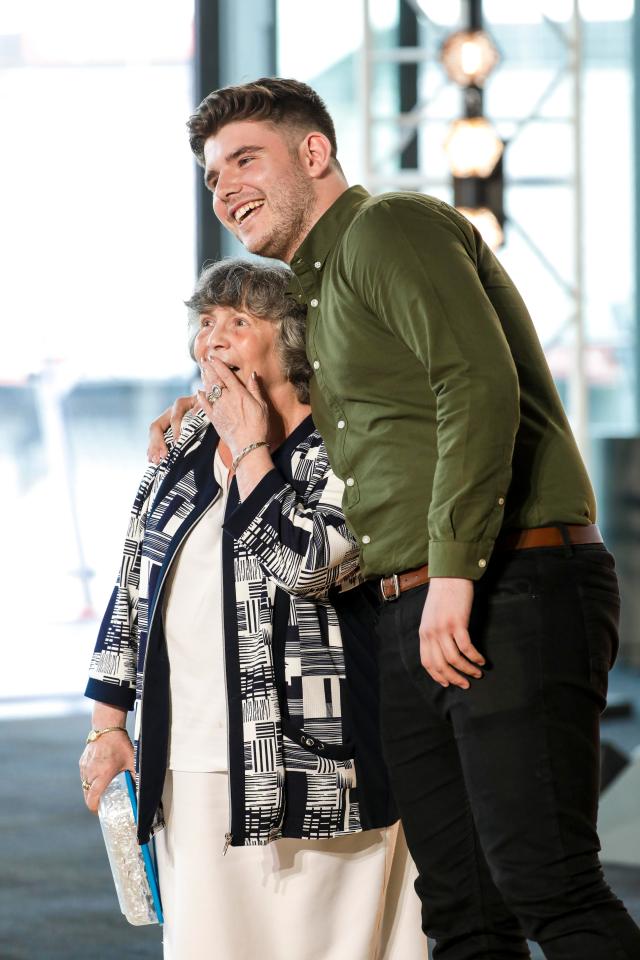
(220, 634)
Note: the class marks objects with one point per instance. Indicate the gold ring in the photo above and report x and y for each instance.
(86, 785)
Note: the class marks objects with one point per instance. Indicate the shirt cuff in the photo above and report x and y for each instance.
(453, 558)
(114, 695)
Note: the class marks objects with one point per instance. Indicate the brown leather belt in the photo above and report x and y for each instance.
(392, 587)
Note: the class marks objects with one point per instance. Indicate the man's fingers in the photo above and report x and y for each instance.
(465, 646)
(172, 417)
(450, 647)
(443, 660)
(180, 407)
(157, 448)
(440, 671)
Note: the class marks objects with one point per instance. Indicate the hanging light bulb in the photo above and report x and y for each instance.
(486, 223)
(473, 147)
(469, 56)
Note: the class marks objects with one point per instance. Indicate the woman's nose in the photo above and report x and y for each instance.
(216, 339)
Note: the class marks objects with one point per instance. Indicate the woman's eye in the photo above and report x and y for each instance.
(241, 322)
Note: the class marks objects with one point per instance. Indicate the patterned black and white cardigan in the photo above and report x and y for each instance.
(294, 744)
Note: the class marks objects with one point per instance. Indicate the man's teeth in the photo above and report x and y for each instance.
(242, 212)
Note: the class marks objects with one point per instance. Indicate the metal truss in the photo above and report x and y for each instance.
(377, 176)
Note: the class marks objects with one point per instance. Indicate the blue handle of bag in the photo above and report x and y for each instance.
(146, 852)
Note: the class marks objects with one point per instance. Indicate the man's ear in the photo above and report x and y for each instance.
(315, 154)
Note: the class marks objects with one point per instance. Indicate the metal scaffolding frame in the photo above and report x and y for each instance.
(409, 122)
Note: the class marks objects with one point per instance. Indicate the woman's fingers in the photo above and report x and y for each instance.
(98, 766)
(254, 387)
(95, 791)
(225, 377)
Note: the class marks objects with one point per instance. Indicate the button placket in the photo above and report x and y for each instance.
(331, 406)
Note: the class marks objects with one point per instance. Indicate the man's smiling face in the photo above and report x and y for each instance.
(261, 192)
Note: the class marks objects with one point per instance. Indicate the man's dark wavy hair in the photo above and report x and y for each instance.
(291, 105)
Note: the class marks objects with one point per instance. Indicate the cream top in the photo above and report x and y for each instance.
(193, 627)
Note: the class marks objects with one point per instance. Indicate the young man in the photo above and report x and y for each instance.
(475, 519)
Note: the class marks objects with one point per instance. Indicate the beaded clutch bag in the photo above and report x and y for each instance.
(133, 866)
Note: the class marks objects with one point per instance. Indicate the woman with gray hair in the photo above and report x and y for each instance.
(236, 633)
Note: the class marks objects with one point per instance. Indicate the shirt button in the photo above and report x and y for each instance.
(341, 424)
(317, 264)
(316, 364)
(350, 481)
(366, 539)
(314, 302)
(501, 501)
(482, 563)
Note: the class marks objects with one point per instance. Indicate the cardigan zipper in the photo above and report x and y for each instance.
(228, 836)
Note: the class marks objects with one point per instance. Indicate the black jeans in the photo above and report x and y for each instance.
(497, 785)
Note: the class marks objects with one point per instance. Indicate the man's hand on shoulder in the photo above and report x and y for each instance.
(446, 651)
(172, 417)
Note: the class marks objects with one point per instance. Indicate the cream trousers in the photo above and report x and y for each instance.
(351, 898)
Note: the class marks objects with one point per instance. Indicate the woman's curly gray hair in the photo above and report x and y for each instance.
(262, 292)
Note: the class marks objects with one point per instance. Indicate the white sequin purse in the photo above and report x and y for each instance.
(133, 866)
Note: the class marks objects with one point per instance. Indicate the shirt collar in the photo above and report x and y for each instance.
(310, 256)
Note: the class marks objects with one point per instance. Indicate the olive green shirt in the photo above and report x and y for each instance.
(430, 387)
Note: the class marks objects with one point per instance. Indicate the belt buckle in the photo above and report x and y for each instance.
(396, 588)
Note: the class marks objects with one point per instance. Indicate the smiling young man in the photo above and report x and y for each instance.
(475, 520)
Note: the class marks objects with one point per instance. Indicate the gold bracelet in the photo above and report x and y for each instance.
(96, 734)
(248, 449)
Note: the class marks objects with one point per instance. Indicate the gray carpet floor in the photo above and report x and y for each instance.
(57, 900)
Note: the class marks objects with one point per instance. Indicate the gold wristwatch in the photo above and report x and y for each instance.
(96, 734)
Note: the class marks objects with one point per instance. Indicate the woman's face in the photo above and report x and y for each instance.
(244, 342)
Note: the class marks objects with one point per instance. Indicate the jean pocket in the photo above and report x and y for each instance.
(600, 613)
